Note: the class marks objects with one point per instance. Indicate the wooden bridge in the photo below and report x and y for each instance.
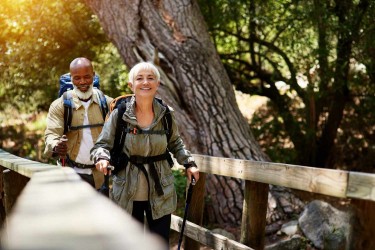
(49, 207)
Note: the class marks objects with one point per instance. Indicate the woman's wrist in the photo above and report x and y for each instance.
(190, 164)
(100, 158)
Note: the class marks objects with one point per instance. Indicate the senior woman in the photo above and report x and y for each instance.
(145, 185)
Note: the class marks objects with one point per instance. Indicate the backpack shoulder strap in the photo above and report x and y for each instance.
(121, 126)
(167, 123)
(167, 120)
(102, 103)
(68, 110)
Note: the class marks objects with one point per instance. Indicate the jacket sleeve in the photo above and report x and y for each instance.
(177, 147)
(55, 126)
(104, 144)
(109, 100)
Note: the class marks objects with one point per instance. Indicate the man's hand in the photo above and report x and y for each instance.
(61, 148)
(103, 166)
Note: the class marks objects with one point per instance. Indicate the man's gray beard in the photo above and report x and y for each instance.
(83, 95)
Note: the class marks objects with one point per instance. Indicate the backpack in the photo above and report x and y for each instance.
(118, 158)
(65, 85)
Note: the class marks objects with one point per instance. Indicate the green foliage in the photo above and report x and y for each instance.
(296, 53)
(284, 50)
(269, 130)
(39, 39)
(180, 185)
(114, 81)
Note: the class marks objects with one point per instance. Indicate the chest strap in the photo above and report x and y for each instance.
(137, 131)
(86, 126)
(139, 162)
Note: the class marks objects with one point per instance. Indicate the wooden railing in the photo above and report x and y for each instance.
(336, 183)
(68, 211)
(56, 210)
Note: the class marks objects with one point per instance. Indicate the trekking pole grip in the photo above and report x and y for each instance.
(62, 158)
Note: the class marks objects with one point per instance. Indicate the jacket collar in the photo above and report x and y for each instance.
(129, 115)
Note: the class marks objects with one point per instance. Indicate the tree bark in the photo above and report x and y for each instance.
(173, 35)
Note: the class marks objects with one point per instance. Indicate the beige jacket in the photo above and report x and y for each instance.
(55, 128)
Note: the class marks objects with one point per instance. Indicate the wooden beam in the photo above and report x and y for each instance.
(57, 210)
(361, 186)
(23, 166)
(13, 184)
(205, 236)
(315, 180)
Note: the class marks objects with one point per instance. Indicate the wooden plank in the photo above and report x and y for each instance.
(361, 186)
(23, 166)
(253, 225)
(196, 207)
(205, 236)
(57, 210)
(14, 183)
(316, 180)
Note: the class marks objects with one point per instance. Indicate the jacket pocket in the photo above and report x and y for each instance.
(167, 180)
(118, 186)
(167, 183)
(166, 203)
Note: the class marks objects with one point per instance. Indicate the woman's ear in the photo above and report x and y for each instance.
(130, 85)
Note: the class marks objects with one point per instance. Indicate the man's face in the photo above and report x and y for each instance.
(82, 77)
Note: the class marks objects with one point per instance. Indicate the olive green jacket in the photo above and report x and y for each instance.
(55, 128)
(126, 182)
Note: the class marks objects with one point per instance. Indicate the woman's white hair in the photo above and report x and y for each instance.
(143, 66)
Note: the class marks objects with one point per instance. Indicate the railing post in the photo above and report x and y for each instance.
(2, 203)
(254, 214)
(195, 213)
(13, 184)
(365, 212)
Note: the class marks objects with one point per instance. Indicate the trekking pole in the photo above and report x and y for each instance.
(188, 199)
(104, 189)
(62, 158)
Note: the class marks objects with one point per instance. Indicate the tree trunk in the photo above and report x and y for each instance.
(173, 35)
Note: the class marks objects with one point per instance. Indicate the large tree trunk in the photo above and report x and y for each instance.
(173, 34)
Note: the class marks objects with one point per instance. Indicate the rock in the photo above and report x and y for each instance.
(296, 242)
(290, 228)
(326, 226)
(273, 228)
(282, 204)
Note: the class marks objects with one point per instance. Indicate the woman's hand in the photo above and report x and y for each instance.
(192, 171)
(103, 166)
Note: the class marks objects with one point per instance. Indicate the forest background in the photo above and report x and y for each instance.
(303, 72)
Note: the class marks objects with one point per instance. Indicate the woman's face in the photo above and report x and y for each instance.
(145, 84)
